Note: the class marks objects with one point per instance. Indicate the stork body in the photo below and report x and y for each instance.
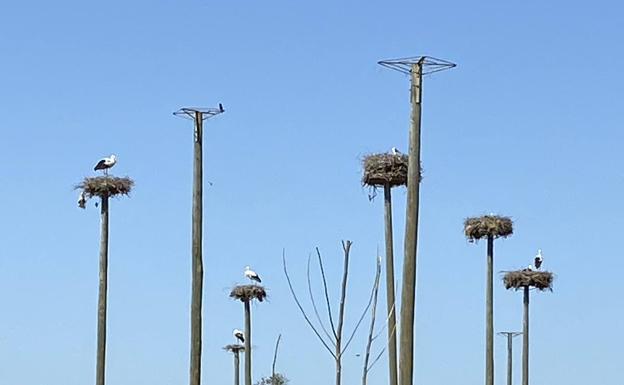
(239, 335)
(538, 259)
(105, 163)
(252, 275)
(396, 152)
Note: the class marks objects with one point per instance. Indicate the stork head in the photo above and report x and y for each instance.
(113, 157)
(247, 268)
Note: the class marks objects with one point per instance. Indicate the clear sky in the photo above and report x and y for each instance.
(528, 125)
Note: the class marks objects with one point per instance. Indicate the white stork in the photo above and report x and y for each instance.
(105, 163)
(239, 335)
(396, 152)
(82, 200)
(252, 275)
(539, 259)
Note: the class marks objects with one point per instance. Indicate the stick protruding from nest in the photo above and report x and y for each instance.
(234, 348)
(385, 168)
(541, 280)
(246, 293)
(496, 226)
(105, 186)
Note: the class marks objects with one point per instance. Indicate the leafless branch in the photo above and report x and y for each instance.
(329, 311)
(292, 291)
(372, 323)
(318, 317)
(370, 301)
(382, 351)
(275, 355)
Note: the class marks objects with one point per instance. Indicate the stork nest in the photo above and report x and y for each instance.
(488, 225)
(105, 186)
(234, 348)
(246, 293)
(385, 168)
(541, 280)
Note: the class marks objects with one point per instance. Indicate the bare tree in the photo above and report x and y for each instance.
(332, 340)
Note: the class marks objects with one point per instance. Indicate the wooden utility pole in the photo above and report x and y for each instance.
(102, 295)
(408, 293)
(197, 269)
(415, 67)
(510, 336)
(197, 276)
(525, 338)
(390, 282)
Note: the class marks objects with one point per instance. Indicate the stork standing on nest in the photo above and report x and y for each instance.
(252, 275)
(106, 163)
(538, 259)
(239, 335)
(396, 152)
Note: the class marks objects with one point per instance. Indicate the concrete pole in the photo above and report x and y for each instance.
(408, 293)
(390, 282)
(525, 338)
(509, 358)
(102, 296)
(489, 314)
(247, 342)
(197, 274)
(236, 368)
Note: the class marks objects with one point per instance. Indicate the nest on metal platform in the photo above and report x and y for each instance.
(235, 348)
(488, 225)
(246, 293)
(541, 280)
(105, 186)
(385, 168)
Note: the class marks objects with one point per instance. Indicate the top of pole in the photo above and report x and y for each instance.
(512, 334)
(429, 64)
(205, 113)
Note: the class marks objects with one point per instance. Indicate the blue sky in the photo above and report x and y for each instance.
(527, 125)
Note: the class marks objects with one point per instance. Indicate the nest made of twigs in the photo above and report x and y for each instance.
(105, 186)
(235, 348)
(488, 225)
(541, 280)
(248, 292)
(385, 168)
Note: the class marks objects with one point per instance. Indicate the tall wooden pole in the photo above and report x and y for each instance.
(390, 297)
(525, 338)
(247, 342)
(102, 299)
(489, 314)
(236, 368)
(197, 274)
(408, 293)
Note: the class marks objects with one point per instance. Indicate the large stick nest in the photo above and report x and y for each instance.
(541, 280)
(488, 225)
(105, 186)
(246, 293)
(234, 348)
(385, 168)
